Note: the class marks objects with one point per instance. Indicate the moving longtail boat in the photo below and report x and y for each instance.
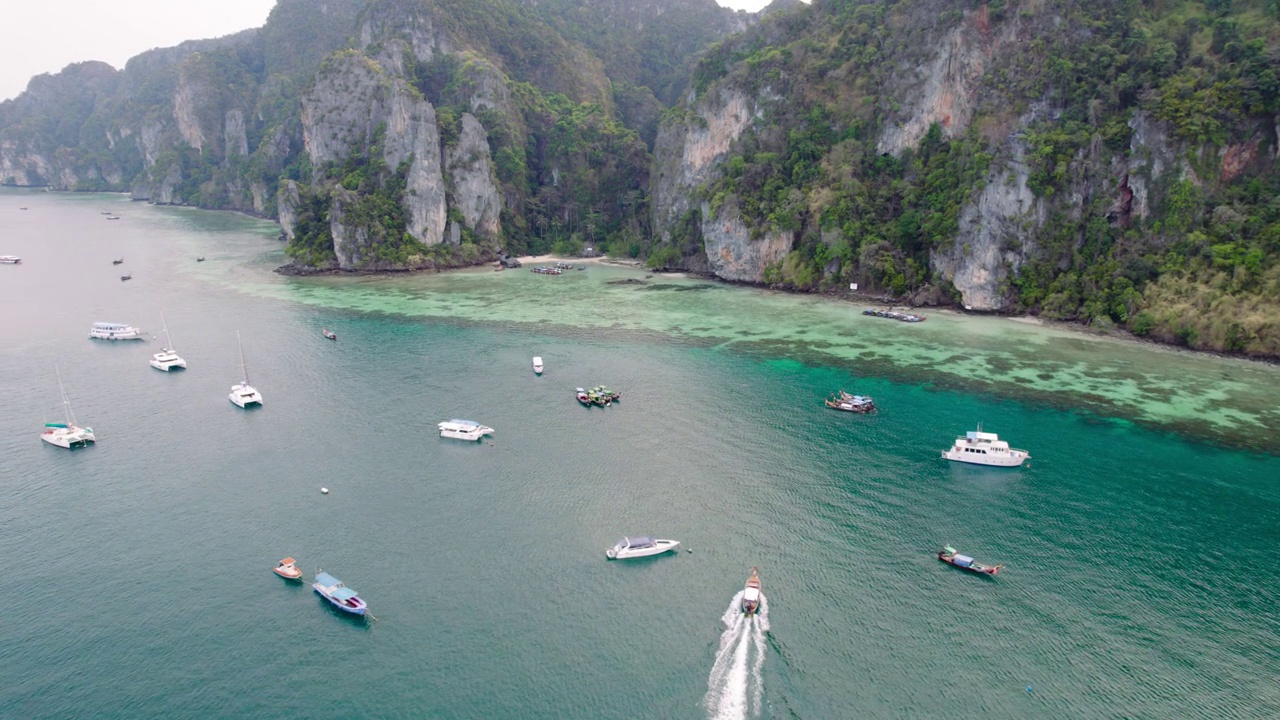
(751, 595)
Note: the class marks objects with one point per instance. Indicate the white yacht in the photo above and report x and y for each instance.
(632, 547)
(463, 430)
(167, 359)
(537, 365)
(114, 331)
(10, 260)
(66, 434)
(984, 448)
(242, 393)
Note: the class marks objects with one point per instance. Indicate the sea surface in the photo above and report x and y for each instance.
(1139, 578)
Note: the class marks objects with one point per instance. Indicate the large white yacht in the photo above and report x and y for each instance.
(242, 393)
(984, 448)
(167, 359)
(114, 331)
(66, 434)
(463, 430)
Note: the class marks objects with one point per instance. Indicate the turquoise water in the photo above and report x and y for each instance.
(1137, 546)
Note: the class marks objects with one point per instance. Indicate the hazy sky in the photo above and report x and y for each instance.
(44, 36)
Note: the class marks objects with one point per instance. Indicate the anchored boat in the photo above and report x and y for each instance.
(114, 331)
(984, 448)
(537, 364)
(463, 430)
(642, 546)
(242, 393)
(66, 434)
(288, 569)
(949, 556)
(341, 596)
(851, 403)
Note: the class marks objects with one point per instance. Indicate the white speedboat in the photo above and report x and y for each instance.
(114, 331)
(10, 259)
(751, 594)
(537, 365)
(66, 434)
(463, 430)
(242, 393)
(983, 448)
(643, 546)
(167, 359)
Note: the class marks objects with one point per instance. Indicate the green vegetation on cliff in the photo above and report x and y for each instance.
(1189, 252)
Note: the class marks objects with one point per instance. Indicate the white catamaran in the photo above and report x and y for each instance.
(167, 359)
(66, 434)
(242, 393)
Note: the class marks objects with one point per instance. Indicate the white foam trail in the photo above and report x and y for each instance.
(735, 688)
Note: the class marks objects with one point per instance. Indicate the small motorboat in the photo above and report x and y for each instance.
(643, 546)
(126, 277)
(200, 259)
(537, 365)
(949, 556)
(583, 396)
(329, 333)
(341, 596)
(10, 260)
(117, 261)
(751, 594)
(288, 569)
(113, 217)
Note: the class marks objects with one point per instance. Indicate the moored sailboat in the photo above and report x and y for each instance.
(66, 434)
(167, 359)
(242, 393)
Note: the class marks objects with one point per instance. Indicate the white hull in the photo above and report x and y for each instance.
(167, 362)
(537, 366)
(128, 334)
(68, 437)
(466, 435)
(244, 396)
(659, 547)
(1013, 459)
(10, 259)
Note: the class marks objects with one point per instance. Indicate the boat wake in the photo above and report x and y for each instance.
(735, 688)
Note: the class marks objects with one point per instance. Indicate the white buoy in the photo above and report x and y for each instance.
(324, 491)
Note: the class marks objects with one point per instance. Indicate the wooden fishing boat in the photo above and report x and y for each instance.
(851, 403)
(288, 569)
(329, 333)
(949, 556)
(341, 596)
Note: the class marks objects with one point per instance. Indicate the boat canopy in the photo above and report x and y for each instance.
(55, 425)
(751, 594)
(979, 436)
(287, 561)
(110, 326)
(327, 580)
(343, 593)
(464, 423)
(642, 541)
(962, 560)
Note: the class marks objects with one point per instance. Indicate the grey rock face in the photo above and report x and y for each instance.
(991, 243)
(236, 141)
(475, 191)
(412, 135)
(732, 254)
(687, 153)
(343, 107)
(287, 201)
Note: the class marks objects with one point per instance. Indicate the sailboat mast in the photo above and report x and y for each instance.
(243, 367)
(168, 344)
(66, 401)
